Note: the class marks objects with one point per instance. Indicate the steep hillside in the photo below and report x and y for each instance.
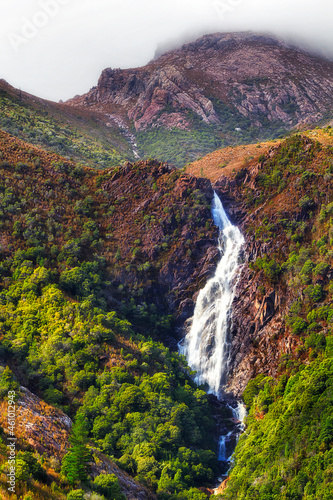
(99, 268)
(82, 135)
(281, 356)
(221, 89)
(150, 223)
(46, 430)
(96, 269)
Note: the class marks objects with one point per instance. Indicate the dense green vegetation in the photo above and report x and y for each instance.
(83, 138)
(139, 404)
(176, 146)
(180, 147)
(286, 451)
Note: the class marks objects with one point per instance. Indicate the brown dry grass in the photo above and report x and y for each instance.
(225, 161)
(38, 424)
(320, 135)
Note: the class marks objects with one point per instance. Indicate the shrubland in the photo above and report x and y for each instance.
(286, 450)
(86, 339)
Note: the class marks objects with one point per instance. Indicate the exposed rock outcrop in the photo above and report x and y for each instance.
(46, 429)
(258, 76)
(190, 253)
(38, 424)
(258, 335)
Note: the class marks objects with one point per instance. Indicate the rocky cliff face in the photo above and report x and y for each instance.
(258, 333)
(258, 77)
(276, 218)
(162, 227)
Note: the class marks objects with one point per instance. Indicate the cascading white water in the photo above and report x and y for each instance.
(206, 346)
(240, 414)
(224, 449)
(223, 455)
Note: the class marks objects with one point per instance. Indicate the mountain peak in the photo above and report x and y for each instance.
(254, 76)
(236, 37)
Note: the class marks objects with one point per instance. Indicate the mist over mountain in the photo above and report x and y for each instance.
(218, 90)
(68, 50)
(166, 252)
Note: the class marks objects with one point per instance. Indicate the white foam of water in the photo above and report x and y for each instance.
(207, 344)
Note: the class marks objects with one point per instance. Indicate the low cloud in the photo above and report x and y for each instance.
(57, 48)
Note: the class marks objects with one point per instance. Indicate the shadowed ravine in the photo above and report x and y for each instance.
(207, 343)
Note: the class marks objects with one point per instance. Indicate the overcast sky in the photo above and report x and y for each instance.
(57, 48)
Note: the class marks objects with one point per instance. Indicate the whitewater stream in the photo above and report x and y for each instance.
(207, 343)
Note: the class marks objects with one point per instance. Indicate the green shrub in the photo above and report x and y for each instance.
(316, 341)
(314, 292)
(298, 326)
(321, 269)
(252, 389)
(108, 485)
(306, 203)
(7, 382)
(75, 495)
(271, 268)
(28, 466)
(307, 268)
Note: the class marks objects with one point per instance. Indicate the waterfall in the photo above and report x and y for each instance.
(223, 456)
(206, 346)
(240, 414)
(228, 441)
(207, 343)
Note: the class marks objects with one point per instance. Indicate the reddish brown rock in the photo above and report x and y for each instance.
(261, 77)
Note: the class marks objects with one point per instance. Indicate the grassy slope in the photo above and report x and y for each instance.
(78, 134)
(225, 161)
(181, 147)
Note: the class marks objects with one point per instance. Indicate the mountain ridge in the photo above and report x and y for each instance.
(222, 88)
(117, 86)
